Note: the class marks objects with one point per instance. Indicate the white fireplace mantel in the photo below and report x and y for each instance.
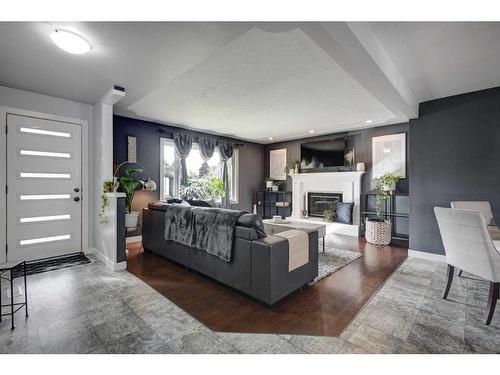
(346, 183)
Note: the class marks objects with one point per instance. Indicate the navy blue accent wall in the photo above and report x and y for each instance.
(454, 155)
(148, 153)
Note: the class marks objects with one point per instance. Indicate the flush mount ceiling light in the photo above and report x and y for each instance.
(368, 121)
(70, 42)
(311, 131)
(270, 138)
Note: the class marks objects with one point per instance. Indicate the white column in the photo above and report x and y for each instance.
(105, 233)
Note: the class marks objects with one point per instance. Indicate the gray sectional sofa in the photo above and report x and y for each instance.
(259, 266)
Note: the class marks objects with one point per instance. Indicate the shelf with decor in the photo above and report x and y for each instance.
(266, 203)
(390, 211)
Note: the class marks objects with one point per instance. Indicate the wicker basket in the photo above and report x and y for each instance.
(378, 232)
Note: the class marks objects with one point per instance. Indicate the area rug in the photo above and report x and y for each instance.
(56, 263)
(332, 260)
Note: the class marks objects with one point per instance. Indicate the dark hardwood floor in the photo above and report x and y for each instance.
(323, 309)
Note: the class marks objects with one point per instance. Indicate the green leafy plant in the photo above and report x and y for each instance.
(216, 188)
(129, 184)
(203, 188)
(107, 187)
(384, 184)
(330, 215)
(291, 166)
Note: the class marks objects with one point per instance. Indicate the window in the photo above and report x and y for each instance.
(197, 170)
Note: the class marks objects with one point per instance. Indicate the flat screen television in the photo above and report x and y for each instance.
(322, 154)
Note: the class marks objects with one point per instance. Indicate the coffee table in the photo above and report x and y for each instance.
(272, 227)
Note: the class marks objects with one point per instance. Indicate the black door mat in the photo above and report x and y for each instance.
(51, 264)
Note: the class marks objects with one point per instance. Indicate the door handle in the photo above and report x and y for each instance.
(76, 199)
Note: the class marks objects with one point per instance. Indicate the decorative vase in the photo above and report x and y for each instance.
(378, 232)
(131, 220)
(254, 209)
(296, 170)
(360, 167)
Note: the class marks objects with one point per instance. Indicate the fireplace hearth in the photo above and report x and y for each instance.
(317, 203)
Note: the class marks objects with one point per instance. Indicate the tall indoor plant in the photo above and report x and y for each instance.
(129, 184)
(378, 230)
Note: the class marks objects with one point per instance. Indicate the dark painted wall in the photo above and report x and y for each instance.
(361, 140)
(454, 155)
(251, 161)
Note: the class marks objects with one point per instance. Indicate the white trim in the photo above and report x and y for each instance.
(120, 266)
(109, 263)
(4, 110)
(428, 256)
(133, 239)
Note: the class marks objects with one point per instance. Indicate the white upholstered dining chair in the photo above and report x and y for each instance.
(469, 247)
(483, 207)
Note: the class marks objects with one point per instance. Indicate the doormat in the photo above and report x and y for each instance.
(51, 264)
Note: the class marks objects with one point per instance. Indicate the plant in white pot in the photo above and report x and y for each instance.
(129, 184)
(378, 230)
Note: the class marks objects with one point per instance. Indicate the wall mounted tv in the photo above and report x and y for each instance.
(322, 154)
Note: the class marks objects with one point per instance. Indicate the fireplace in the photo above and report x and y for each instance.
(317, 203)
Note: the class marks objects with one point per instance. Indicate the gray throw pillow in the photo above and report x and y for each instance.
(253, 221)
(344, 212)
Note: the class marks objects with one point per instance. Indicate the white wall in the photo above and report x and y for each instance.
(30, 101)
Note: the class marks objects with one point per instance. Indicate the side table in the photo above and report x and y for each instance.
(15, 269)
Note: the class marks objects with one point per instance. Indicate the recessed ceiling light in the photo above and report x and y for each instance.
(311, 131)
(270, 138)
(368, 121)
(70, 42)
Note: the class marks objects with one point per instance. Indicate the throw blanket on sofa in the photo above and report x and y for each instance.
(298, 247)
(207, 229)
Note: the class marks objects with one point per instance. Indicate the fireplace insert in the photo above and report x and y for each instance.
(317, 203)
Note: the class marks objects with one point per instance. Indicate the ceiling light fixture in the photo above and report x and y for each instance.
(270, 138)
(311, 131)
(70, 42)
(368, 121)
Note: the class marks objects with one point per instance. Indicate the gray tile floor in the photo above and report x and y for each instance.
(89, 309)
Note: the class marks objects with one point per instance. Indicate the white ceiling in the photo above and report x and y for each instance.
(255, 81)
(440, 59)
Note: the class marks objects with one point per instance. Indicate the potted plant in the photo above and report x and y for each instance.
(292, 167)
(329, 215)
(387, 183)
(378, 230)
(129, 184)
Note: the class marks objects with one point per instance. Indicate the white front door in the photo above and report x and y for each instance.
(44, 182)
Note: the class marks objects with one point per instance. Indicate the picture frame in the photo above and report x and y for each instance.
(131, 149)
(389, 155)
(277, 164)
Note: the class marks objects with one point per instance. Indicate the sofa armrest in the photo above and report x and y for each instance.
(271, 280)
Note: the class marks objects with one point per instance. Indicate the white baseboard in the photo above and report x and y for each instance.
(120, 266)
(133, 239)
(110, 264)
(428, 256)
(90, 250)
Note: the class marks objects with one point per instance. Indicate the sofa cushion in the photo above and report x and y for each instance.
(198, 203)
(344, 212)
(253, 221)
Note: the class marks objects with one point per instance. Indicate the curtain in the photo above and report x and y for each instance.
(207, 147)
(183, 143)
(225, 152)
